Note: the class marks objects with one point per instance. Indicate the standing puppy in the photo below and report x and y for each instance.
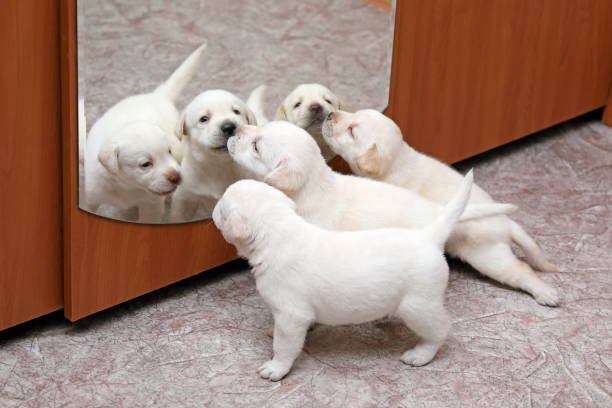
(307, 106)
(307, 274)
(373, 146)
(206, 125)
(128, 155)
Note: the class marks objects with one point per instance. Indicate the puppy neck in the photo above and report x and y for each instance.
(320, 182)
(273, 237)
(403, 168)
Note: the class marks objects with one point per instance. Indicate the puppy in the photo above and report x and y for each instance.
(204, 128)
(373, 146)
(128, 155)
(308, 274)
(307, 106)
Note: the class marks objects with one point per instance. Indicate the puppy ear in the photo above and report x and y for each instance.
(251, 119)
(181, 128)
(370, 163)
(236, 227)
(281, 113)
(285, 177)
(109, 158)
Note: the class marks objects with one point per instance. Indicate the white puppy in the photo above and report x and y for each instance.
(307, 106)
(128, 155)
(308, 274)
(373, 146)
(206, 124)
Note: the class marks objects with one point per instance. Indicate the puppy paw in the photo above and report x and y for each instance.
(547, 296)
(273, 370)
(418, 356)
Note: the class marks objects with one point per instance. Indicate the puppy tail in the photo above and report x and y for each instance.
(174, 85)
(532, 250)
(440, 229)
(476, 211)
(256, 103)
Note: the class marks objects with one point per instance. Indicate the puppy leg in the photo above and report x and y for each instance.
(183, 208)
(289, 335)
(497, 261)
(429, 320)
(151, 212)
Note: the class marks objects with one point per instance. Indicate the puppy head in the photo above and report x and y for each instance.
(308, 105)
(245, 206)
(140, 156)
(367, 140)
(279, 153)
(212, 118)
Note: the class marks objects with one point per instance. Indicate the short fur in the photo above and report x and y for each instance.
(307, 106)
(131, 151)
(204, 128)
(308, 274)
(373, 146)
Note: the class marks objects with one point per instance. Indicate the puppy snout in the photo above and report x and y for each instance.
(228, 129)
(315, 108)
(174, 177)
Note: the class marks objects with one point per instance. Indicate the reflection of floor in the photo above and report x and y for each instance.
(199, 342)
(131, 46)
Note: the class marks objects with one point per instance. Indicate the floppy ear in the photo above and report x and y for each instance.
(109, 158)
(232, 225)
(370, 163)
(285, 177)
(281, 113)
(251, 119)
(181, 129)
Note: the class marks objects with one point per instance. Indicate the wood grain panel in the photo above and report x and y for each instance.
(108, 262)
(30, 161)
(469, 75)
(607, 116)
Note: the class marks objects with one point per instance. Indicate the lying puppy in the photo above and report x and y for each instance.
(308, 274)
(128, 155)
(204, 128)
(307, 106)
(373, 146)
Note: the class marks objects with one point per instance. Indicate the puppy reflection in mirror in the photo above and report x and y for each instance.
(307, 106)
(373, 146)
(130, 152)
(204, 128)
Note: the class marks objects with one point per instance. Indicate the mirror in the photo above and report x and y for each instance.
(163, 84)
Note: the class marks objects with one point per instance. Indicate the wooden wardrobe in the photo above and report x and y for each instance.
(467, 76)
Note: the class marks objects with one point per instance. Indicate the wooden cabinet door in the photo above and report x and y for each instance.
(108, 262)
(30, 161)
(469, 75)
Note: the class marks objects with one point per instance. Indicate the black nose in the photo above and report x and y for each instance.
(315, 108)
(228, 129)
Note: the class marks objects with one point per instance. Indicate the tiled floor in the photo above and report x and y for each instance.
(199, 342)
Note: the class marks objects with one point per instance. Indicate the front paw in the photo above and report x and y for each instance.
(273, 370)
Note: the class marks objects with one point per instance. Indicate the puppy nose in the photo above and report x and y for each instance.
(228, 129)
(315, 108)
(174, 177)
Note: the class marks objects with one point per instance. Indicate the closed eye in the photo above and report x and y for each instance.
(146, 165)
(297, 105)
(236, 111)
(255, 146)
(328, 101)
